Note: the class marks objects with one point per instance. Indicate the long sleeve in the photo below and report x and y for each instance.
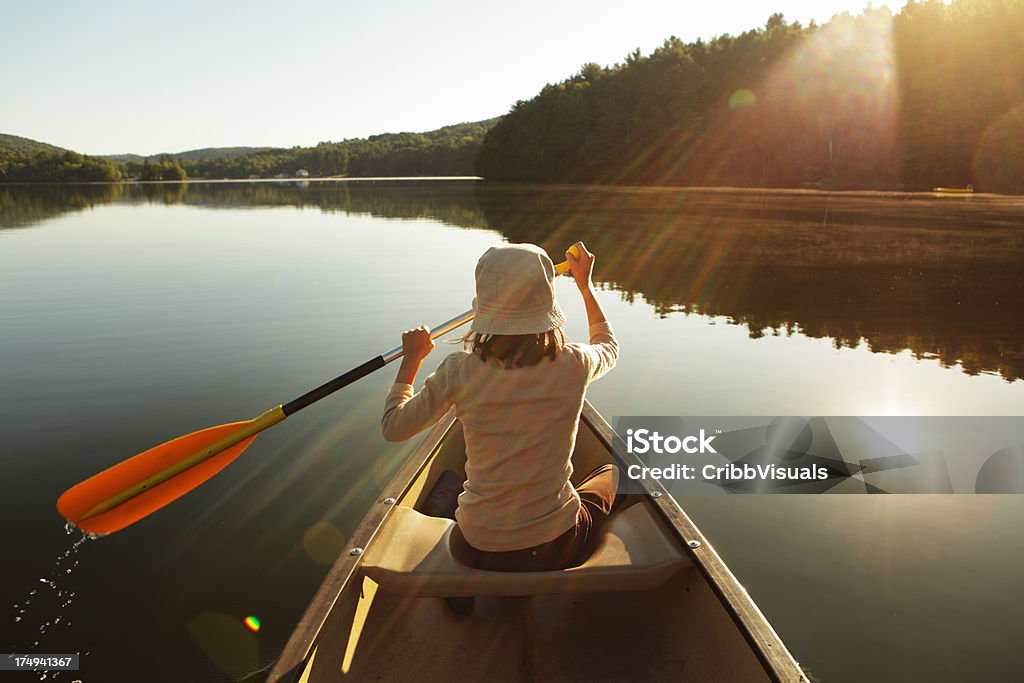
(407, 414)
(600, 355)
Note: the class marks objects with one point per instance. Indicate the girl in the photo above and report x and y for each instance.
(518, 390)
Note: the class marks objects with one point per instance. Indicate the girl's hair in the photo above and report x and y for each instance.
(516, 350)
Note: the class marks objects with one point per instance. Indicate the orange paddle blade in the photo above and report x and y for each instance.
(79, 500)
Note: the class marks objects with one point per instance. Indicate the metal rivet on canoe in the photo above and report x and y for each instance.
(390, 501)
(655, 494)
(355, 552)
(694, 544)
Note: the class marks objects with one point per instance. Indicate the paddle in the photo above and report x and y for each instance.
(141, 485)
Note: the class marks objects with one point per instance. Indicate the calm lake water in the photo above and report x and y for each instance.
(133, 314)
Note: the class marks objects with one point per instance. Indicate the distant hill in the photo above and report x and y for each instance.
(220, 152)
(213, 153)
(447, 151)
(190, 155)
(20, 145)
(454, 130)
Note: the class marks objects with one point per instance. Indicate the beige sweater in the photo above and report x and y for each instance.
(520, 426)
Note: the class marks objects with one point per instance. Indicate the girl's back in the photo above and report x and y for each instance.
(518, 394)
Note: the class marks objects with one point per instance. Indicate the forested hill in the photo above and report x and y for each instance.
(13, 144)
(448, 151)
(192, 154)
(29, 161)
(933, 96)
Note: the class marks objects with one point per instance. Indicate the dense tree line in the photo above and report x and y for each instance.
(56, 167)
(71, 167)
(446, 151)
(166, 168)
(931, 96)
(326, 159)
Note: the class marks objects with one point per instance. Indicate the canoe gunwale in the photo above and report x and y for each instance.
(304, 638)
(769, 649)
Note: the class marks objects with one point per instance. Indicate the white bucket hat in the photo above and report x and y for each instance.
(515, 291)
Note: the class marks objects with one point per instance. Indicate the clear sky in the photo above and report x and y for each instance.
(114, 76)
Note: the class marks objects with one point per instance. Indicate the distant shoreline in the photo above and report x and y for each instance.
(286, 180)
(529, 184)
(187, 181)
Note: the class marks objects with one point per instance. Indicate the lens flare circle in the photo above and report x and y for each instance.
(742, 99)
(998, 161)
(323, 543)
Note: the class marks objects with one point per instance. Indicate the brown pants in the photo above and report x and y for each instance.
(597, 495)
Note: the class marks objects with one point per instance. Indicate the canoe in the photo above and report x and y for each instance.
(654, 602)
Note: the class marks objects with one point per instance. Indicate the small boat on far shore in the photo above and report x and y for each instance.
(654, 602)
(954, 190)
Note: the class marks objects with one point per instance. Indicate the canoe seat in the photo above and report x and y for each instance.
(411, 556)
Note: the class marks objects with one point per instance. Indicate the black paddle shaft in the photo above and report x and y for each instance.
(330, 387)
(369, 366)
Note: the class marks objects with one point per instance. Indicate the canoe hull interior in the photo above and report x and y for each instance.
(675, 632)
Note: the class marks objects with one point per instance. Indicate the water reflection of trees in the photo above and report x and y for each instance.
(943, 279)
(449, 202)
(26, 205)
